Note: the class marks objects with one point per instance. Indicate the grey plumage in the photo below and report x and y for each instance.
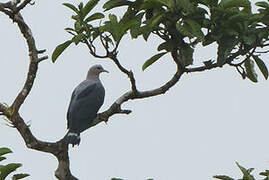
(86, 100)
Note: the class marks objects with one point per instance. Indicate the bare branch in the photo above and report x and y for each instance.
(115, 108)
(42, 59)
(3, 109)
(242, 62)
(41, 51)
(58, 149)
(104, 44)
(262, 52)
(125, 71)
(92, 52)
(4, 8)
(133, 84)
(201, 68)
(22, 5)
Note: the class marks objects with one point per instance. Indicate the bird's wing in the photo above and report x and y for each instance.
(68, 111)
(85, 92)
(84, 105)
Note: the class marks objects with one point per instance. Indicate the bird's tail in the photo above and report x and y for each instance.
(73, 138)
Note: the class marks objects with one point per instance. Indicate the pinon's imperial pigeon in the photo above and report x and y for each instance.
(86, 100)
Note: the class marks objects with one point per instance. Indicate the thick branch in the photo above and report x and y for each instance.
(58, 149)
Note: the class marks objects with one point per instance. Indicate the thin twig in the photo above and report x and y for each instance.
(242, 62)
(42, 59)
(92, 52)
(262, 52)
(41, 51)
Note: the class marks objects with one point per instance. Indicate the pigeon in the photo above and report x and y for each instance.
(86, 100)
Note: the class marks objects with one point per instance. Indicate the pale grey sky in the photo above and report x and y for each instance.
(198, 129)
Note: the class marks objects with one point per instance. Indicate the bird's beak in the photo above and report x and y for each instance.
(105, 71)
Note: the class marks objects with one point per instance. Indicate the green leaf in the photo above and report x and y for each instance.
(152, 60)
(113, 27)
(234, 3)
(186, 5)
(195, 29)
(151, 4)
(186, 55)
(249, 39)
(184, 29)
(70, 30)
(80, 6)
(152, 23)
(223, 177)
(113, 18)
(13, 166)
(261, 66)
(135, 30)
(88, 7)
(167, 45)
(246, 172)
(265, 173)
(115, 3)
(72, 7)
(262, 4)
(59, 50)
(242, 169)
(19, 176)
(6, 170)
(165, 2)
(76, 39)
(225, 46)
(251, 74)
(77, 26)
(75, 17)
(2, 158)
(4, 151)
(95, 16)
(128, 25)
(156, 20)
(208, 40)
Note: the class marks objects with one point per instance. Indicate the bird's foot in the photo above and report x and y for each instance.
(73, 138)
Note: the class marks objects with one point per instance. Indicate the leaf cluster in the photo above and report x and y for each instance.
(181, 25)
(6, 170)
(246, 174)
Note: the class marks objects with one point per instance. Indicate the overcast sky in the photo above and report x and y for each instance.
(198, 129)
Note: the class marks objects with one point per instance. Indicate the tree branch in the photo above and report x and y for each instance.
(130, 74)
(3, 109)
(115, 108)
(22, 5)
(58, 149)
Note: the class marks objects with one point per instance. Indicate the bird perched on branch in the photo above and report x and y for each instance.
(86, 100)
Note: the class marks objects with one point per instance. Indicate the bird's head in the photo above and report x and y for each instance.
(95, 70)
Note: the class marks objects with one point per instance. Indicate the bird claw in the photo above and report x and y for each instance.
(73, 138)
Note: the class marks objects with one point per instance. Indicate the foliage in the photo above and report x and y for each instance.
(181, 25)
(5, 170)
(246, 174)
